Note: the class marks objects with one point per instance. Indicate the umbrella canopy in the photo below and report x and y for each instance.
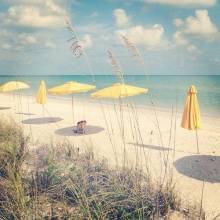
(71, 88)
(13, 85)
(119, 90)
(191, 119)
(42, 94)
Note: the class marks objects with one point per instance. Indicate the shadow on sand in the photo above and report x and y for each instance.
(4, 108)
(200, 167)
(151, 147)
(45, 120)
(69, 131)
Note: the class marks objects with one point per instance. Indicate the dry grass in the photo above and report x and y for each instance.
(60, 182)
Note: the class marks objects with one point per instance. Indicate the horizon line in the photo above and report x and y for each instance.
(187, 74)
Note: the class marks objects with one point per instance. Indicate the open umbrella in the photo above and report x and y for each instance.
(191, 118)
(118, 91)
(71, 87)
(13, 85)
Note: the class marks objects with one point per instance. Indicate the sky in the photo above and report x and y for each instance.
(172, 36)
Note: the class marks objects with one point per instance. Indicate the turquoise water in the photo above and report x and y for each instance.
(166, 90)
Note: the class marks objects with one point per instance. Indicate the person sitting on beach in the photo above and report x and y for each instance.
(80, 128)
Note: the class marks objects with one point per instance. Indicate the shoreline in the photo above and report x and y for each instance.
(109, 102)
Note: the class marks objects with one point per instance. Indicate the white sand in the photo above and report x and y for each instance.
(108, 141)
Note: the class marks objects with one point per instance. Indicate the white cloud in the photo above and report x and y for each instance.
(37, 14)
(215, 60)
(40, 16)
(5, 46)
(11, 40)
(178, 22)
(3, 33)
(150, 37)
(179, 38)
(121, 18)
(184, 2)
(50, 44)
(27, 39)
(86, 42)
(200, 26)
(193, 49)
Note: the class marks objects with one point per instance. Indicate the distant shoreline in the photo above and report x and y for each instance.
(82, 100)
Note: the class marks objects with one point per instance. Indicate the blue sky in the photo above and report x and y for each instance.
(173, 36)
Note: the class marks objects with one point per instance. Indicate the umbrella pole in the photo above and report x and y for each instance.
(20, 104)
(28, 103)
(73, 108)
(43, 110)
(197, 141)
(13, 101)
(201, 202)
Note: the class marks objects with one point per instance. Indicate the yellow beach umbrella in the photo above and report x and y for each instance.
(42, 94)
(71, 87)
(118, 91)
(13, 85)
(191, 118)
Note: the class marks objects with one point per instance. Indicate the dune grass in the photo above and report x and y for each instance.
(59, 181)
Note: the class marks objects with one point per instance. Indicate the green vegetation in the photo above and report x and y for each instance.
(61, 182)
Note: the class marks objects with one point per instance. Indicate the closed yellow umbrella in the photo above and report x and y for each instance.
(191, 118)
(42, 94)
(118, 91)
(13, 85)
(71, 87)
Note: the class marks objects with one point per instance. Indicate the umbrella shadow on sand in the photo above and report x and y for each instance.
(151, 147)
(43, 120)
(4, 108)
(68, 131)
(200, 167)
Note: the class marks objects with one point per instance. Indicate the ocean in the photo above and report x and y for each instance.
(166, 90)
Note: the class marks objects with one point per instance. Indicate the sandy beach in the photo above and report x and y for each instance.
(143, 134)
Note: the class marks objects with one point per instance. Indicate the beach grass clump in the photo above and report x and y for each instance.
(12, 153)
(59, 181)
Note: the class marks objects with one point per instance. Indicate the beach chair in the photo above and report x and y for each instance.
(80, 128)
